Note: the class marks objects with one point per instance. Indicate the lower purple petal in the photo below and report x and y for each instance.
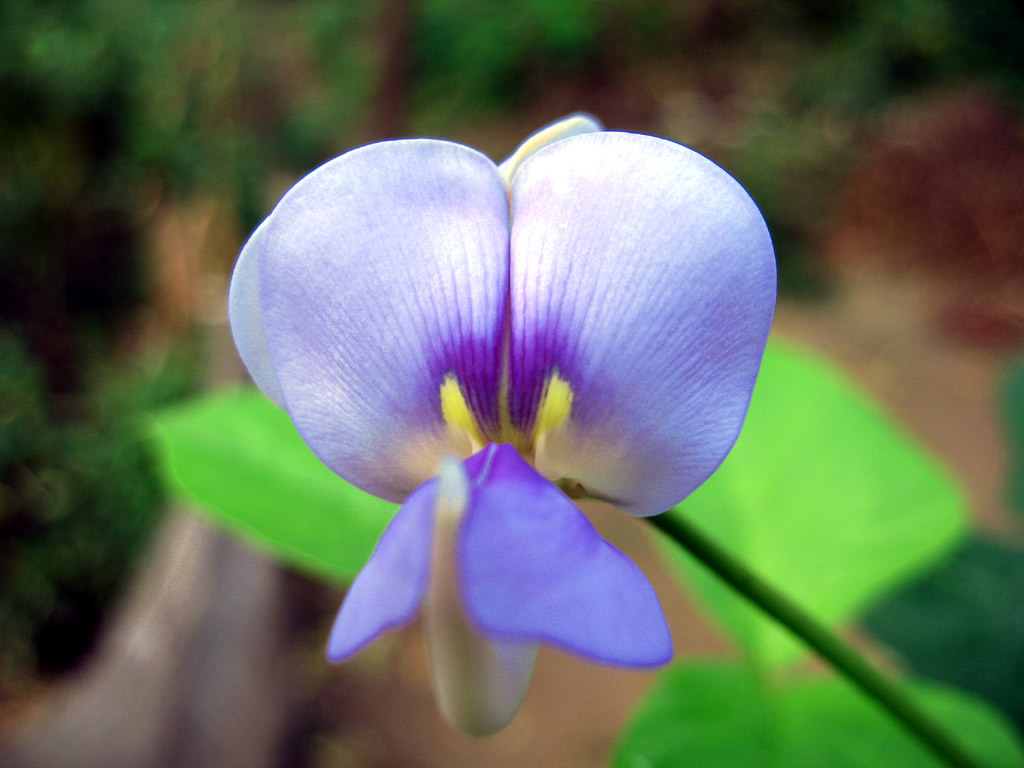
(533, 567)
(388, 592)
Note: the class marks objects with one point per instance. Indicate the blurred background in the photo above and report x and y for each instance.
(142, 140)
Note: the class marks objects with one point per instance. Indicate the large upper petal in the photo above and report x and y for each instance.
(644, 276)
(533, 568)
(381, 273)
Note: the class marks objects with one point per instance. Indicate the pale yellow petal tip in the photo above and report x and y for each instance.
(452, 489)
(573, 125)
(484, 689)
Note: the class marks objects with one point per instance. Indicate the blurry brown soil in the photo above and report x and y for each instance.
(940, 186)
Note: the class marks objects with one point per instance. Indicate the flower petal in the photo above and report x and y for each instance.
(533, 567)
(479, 681)
(643, 275)
(573, 125)
(388, 592)
(246, 318)
(382, 273)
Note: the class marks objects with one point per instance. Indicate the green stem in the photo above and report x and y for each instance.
(841, 656)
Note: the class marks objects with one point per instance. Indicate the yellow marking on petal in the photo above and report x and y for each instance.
(455, 411)
(563, 129)
(553, 412)
(555, 406)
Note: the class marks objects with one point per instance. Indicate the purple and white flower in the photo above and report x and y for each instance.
(483, 343)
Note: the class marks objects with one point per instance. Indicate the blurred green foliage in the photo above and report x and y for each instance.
(823, 495)
(77, 499)
(717, 715)
(961, 623)
(237, 455)
(495, 55)
(1013, 424)
(95, 121)
(111, 108)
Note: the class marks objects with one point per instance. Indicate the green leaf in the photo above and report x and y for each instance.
(1013, 420)
(824, 497)
(716, 716)
(962, 623)
(238, 457)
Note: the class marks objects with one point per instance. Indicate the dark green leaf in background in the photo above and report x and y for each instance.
(963, 623)
(238, 457)
(1013, 423)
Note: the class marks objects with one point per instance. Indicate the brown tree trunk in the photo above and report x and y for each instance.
(189, 674)
(388, 115)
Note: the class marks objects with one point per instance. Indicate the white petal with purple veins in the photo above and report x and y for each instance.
(644, 276)
(382, 272)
